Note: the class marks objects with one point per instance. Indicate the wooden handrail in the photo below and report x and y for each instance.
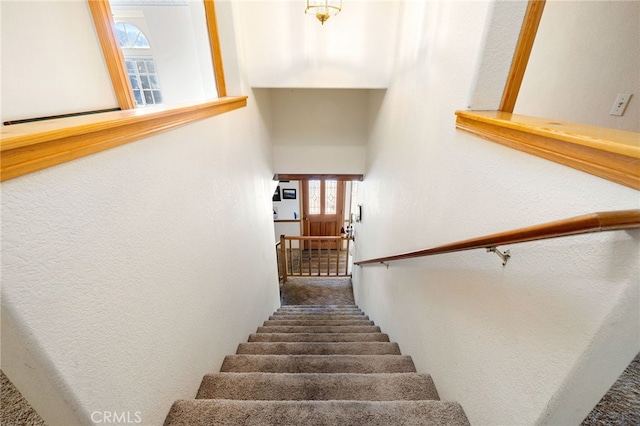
(316, 238)
(594, 222)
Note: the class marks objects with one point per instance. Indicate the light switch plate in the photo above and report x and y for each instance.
(620, 104)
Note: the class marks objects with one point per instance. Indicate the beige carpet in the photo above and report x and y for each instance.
(621, 405)
(15, 411)
(317, 291)
(318, 360)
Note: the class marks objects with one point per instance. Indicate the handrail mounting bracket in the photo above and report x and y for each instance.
(504, 256)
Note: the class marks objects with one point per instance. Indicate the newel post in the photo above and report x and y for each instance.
(283, 256)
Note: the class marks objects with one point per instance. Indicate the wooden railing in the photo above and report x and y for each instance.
(279, 260)
(313, 256)
(594, 222)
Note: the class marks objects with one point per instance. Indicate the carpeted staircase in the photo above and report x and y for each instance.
(317, 365)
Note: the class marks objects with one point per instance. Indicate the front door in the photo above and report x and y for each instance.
(323, 208)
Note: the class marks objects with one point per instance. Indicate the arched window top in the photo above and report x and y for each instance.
(131, 37)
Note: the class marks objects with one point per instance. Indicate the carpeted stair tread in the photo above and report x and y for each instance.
(311, 365)
(316, 387)
(319, 329)
(320, 307)
(319, 348)
(318, 364)
(317, 317)
(318, 337)
(316, 323)
(319, 311)
(223, 412)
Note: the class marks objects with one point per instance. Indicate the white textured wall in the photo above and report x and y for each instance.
(504, 19)
(50, 45)
(586, 52)
(287, 208)
(319, 130)
(536, 342)
(121, 280)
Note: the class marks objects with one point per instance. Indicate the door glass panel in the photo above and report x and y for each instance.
(331, 195)
(314, 197)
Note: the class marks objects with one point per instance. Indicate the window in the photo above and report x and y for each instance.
(330, 196)
(138, 59)
(354, 195)
(131, 37)
(172, 34)
(323, 196)
(33, 146)
(144, 81)
(314, 197)
(607, 153)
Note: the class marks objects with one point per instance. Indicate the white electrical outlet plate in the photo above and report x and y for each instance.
(620, 104)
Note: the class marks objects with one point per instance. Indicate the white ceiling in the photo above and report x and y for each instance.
(284, 48)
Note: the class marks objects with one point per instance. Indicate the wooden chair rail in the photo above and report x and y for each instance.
(594, 222)
(608, 153)
(29, 147)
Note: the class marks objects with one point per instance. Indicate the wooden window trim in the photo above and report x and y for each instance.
(28, 147)
(607, 153)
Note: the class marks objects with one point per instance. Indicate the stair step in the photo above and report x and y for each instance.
(315, 387)
(318, 312)
(319, 307)
(318, 337)
(319, 348)
(317, 317)
(318, 322)
(318, 364)
(223, 412)
(318, 329)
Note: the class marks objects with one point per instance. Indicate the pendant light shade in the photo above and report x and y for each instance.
(323, 9)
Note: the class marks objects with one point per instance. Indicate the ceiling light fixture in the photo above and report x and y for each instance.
(323, 9)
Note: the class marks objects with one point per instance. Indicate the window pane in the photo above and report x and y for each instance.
(147, 97)
(131, 66)
(154, 82)
(130, 36)
(145, 82)
(354, 195)
(138, 96)
(134, 82)
(330, 196)
(314, 197)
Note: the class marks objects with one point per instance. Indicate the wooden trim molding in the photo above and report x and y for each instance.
(103, 21)
(296, 176)
(528, 32)
(607, 153)
(30, 147)
(34, 146)
(589, 223)
(214, 42)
